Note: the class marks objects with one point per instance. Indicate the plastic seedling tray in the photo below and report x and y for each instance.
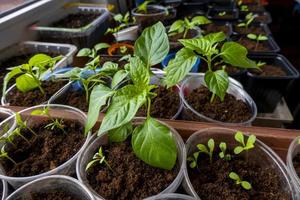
(212, 14)
(268, 91)
(86, 36)
(227, 4)
(267, 15)
(264, 27)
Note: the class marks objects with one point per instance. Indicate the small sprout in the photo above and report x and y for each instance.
(98, 158)
(123, 22)
(123, 49)
(221, 14)
(244, 8)
(4, 154)
(17, 132)
(239, 137)
(257, 38)
(143, 7)
(223, 154)
(260, 64)
(207, 150)
(23, 124)
(248, 20)
(193, 160)
(245, 184)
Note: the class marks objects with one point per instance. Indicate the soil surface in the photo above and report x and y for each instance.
(165, 105)
(50, 195)
(296, 163)
(131, 177)
(213, 28)
(230, 110)
(45, 151)
(261, 19)
(269, 70)
(231, 70)
(76, 20)
(252, 46)
(228, 15)
(150, 11)
(34, 97)
(252, 29)
(76, 99)
(190, 34)
(214, 177)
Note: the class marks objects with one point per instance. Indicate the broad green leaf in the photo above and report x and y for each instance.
(252, 36)
(200, 20)
(217, 82)
(177, 25)
(100, 46)
(118, 78)
(98, 98)
(179, 67)
(215, 37)
(223, 146)
(200, 45)
(153, 45)
(121, 133)
(239, 136)
(26, 83)
(139, 73)
(123, 108)
(236, 55)
(39, 60)
(202, 148)
(250, 142)
(262, 38)
(238, 149)
(9, 76)
(211, 145)
(109, 68)
(246, 185)
(153, 143)
(84, 52)
(234, 176)
(241, 25)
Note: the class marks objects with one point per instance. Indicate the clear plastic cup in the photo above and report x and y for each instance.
(55, 110)
(55, 182)
(171, 196)
(194, 82)
(4, 190)
(294, 149)
(5, 114)
(261, 154)
(96, 142)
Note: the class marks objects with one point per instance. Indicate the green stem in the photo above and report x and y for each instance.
(256, 45)
(209, 63)
(185, 33)
(212, 97)
(149, 107)
(9, 158)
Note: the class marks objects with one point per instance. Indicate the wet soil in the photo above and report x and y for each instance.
(213, 28)
(253, 46)
(269, 71)
(50, 195)
(76, 20)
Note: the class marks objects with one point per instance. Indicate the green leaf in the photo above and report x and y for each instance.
(211, 145)
(26, 83)
(241, 25)
(215, 37)
(239, 137)
(200, 45)
(9, 76)
(179, 67)
(153, 45)
(217, 82)
(193, 164)
(118, 78)
(84, 52)
(200, 20)
(202, 148)
(234, 176)
(252, 36)
(39, 60)
(153, 143)
(98, 98)
(39, 112)
(121, 133)
(109, 68)
(262, 38)
(139, 73)
(238, 149)
(250, 142)
(90, 164)
(176, 26)
(123, 108)
(100, 46)
(221, 155)
(223, 146)
(246, 185)
(236, 55)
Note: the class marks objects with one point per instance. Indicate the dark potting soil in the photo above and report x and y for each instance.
(150, 11)
(76, 99)
(34, 97)
(44, 152)
(269, 70)
(216, 15)
(190, 34)
(53, 194)
(231, 70)
(213, 28)
(230, 110)
(261, 19)
(77, 20)
(252, 29)
(296, 163)
(212, 182)
(253, 46)
(131, 177)
(165, 105)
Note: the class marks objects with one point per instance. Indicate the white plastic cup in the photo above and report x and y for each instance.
(4, 190)
(171, 196)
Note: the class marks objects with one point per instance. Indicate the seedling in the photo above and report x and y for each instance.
(248, 20)
(207, 150)
(244, 8)
(29, 75)
(183, 26)
(239, 137)
(260, 64)
(143, 8)
(257, 38)
(193, 159)
(23, 124)
(221, 14)
(123, 22)
(4, 154)
(223, 154)
(210, 49)
(245, 184)
(98, 158)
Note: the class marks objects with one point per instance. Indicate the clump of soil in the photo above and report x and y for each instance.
(269, 70)
(131, 177)
(213, 28)
(230, 110)
(296, 163)
(251, 29)
(252, 46)
(76, 20)
(34, 97)
(53, 194)
(164, 105)
(76, 99)
(228, 15)
(45, 151)
(212, 182)
(150, 11)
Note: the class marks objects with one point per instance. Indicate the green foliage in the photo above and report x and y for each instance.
(123, 22)
(207, 150)
(245, 184)
(193, 160)
(183, 26)
(223, 154)
(4, 154)
(29, 75)
(298, 141)
(239, 137)
(98, 158)
(257, 38)
(221, 14)
(248, 20)
(260, 64)
(143, 7)
(244, 8)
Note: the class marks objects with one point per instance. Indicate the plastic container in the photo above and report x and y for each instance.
(192, 6)
(171, 56)
(4, 190)
(86, 36)
(96, 142)
(130, 33)
(4, 114)
(68, 167)
(212, 14)
(196, 81)
(224, 4)
(56, 182)
(294, 149)
(171, 196)
(228, 25)
(268, 91)
(263, 26)
(261, 154)
(267, 16)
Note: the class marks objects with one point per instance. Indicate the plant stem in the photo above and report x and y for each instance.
(9, 158)
(256, 45)
(212, 97)
(149, 107)
(185, 33)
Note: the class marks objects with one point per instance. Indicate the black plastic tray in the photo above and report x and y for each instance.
(210, 14)
(265, 27)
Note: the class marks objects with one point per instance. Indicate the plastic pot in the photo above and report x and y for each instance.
(171, 196)
(190, 7)
(212, 14)
(171, 56)
(4, 114)
(267, 16)
(4, 190)
(263, 26)
(224, 4)
(68, 167)
(196, 81)
(56, 182)
(294, 149)
(96, 142)
(129, 33)
(268, 91)
(261, 154)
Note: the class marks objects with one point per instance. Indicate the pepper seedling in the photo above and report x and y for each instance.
(123, 22)
(221, 14)
(4, 154)
(245, 184)
(98, 158)
(143, 8)
(239, 137)
(257, 38)
(244, 8)
(260, 64)
(183, 26)
(209, 150)
(29, 75)
(223, 154)
(248, 20)
(193, 159)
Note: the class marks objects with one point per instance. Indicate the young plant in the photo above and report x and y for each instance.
(123, 22)
(260, 64)
(209, 150)
(248, 20)
(143, 8)
(151, 141)
(210, 49)
(245, 184)
(221, 14)
(4, 154)
(244, 8)
(183, 26)
(239, 137)
(257, 38)
(98, 158)
(223, 154)
(29, 75)
(193, 160)
(23, 124)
